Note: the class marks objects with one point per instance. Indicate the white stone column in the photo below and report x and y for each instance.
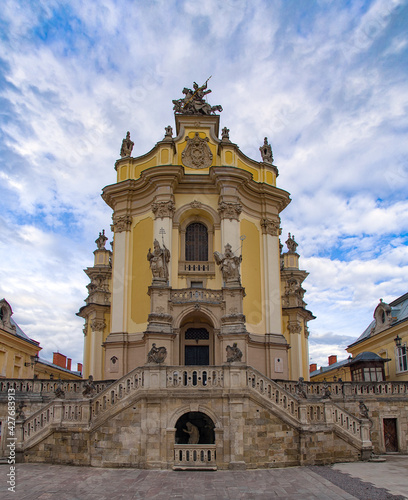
(121, 228)
(229, 213)
(296, 358)
(272, 301)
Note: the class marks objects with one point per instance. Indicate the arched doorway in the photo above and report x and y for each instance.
(195, 426)
(196, 341)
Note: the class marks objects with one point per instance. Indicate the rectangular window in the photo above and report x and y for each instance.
(401, 358)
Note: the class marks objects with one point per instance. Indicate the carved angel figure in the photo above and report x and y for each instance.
(159, 260)
(229, 265)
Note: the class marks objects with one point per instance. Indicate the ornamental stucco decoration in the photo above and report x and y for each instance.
(271, 226)
(196, 204)
(121, 223)
(127, 146)
(163, 209)
(197, 153)
(229, 210)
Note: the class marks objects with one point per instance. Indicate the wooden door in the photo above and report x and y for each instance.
(390, 435)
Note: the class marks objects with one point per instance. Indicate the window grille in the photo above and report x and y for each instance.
(196, 242)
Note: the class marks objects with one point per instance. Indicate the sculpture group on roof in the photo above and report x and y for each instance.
(193, 102)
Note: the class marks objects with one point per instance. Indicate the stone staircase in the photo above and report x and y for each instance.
(88, 414)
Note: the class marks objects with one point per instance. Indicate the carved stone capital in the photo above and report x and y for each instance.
(229, 210)
(98, 325)
(163, 209)
(294, 327)
(121, 223)
(271, 226)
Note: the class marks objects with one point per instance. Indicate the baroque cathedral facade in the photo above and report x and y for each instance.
(215, 277)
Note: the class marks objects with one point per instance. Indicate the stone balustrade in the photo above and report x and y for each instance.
(339, 390)
(196, 268)
(194, 456)
(208, 377)
(47, 388)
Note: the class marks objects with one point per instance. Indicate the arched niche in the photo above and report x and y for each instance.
(203, 426)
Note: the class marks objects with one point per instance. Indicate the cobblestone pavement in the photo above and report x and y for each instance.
(49, 482)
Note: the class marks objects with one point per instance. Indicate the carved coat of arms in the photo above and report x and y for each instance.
(197, 153)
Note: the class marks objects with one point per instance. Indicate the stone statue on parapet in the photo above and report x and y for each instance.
(156, 354)
(229, 265)
(159, 261)
(194, 434)
(193, 102)
(234, 353)
(101, 240)
(89, 387)
(59, 391)
(127, 146)
(301, 388)
(291, 244)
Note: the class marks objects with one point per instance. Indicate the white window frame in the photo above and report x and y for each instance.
(401, 358)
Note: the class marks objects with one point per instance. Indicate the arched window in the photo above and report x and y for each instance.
(196, 242)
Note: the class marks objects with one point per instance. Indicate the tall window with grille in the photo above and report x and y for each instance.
(196, 242)
(402, 358)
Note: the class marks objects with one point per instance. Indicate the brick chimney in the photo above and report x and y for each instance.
(332, 359)
(69, 361)
(312, 367)
(79, 368)
(59, 360)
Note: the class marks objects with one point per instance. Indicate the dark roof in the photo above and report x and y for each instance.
(367, 356)
(329, 368)
(21, 334)
(53, 365)
(399, 313)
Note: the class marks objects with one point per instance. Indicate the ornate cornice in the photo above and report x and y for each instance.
(121, 223)
(229, 210)
(163, 209)
(271, 226)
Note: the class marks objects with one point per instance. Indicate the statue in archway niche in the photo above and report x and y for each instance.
(194, 434)
(159, 260)
(229, 265)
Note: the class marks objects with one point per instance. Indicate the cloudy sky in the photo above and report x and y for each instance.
(324, 80)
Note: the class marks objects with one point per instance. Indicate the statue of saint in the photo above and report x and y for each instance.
(229, 265)
(193, 102)
(101, 240)
(192, 430)
(159, 260)
(127, 146)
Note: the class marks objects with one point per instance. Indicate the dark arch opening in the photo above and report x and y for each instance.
(201, 421)
(196, 242)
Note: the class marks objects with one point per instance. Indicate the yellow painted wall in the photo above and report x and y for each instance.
(14, 353)
(141, 278)
(251, 276)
